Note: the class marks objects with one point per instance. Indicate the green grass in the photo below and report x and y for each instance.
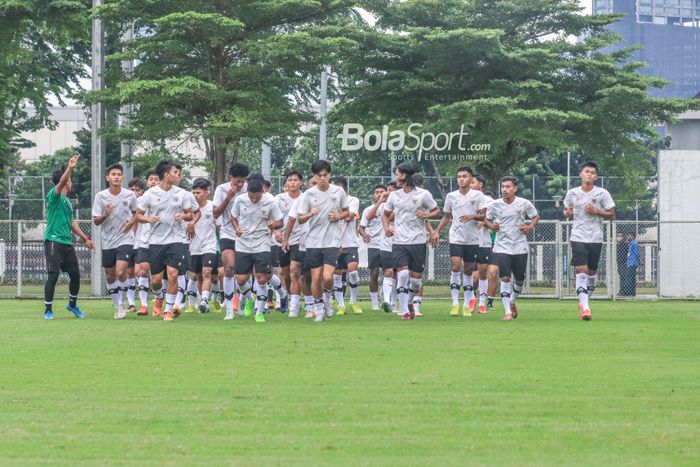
(545, 389)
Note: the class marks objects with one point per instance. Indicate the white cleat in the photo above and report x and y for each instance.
(375, 307)
(120, 313)
(319, 317)
(293, 314)
(229, 315)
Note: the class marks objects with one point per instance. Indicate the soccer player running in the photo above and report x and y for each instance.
(463, 208)
(113, 211)
(58, 244)
(168, 206)
(252, 216)
(285, 201)
(411, 206)
(512, 218)
(372, 233)
(224, 196)
(203, 245)
(137, 187)
(291, 242)
(323, 207)
(348, 256)
(589, 205)
(486, 289)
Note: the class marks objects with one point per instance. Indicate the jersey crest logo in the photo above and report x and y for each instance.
(334, 199)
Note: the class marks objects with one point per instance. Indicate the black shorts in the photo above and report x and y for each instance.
(484, 255)
(60, 257)
(172, 254)
(468, 253)
(285, 257)
(412, 256)
(186, 263)
(586, 254)
(275, 253)
(510, 264)
(121, 253)
(387, 260)
(317, 257)
(295, 254)
(245, 262)
(198, 262)
(141, 256)
(227, 244)
(347, 256)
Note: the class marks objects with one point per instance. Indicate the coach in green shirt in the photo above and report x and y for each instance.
(58, 244)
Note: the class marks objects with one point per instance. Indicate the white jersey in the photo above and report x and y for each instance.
(194, 205)
(349, 238)
(510, 217)
(219, 199)
(165, 205)
(387, 242)
(374, 228)
(252, 219)
(204, 240)
(588, 228)
(296, 235)
(484, 232)
(409, 229)
(112, 229)
(284, 202)
(322, 232)
(457, 204)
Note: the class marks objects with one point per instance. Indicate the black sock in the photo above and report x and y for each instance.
(47, 306)
(73, 301)
(489, 301)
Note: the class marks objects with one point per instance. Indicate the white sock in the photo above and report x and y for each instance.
(590, 284)
(309, 302)
(192, 292)
(169, 302)
(388, 288)
(582, 289)
(205, 295)
(181, 285)
(454, 287)
(260, 302)
(394, 294)
(113, 291)
(505, 296)
(338, 290)
(131, 291)
(277, 285)
(517, 290)
(328, 297)
(402, 280)
(294, 304)
(414, 285)
(123, 288)
(164, 290)
(229, 290)
(354, 284)
(143, 291)
(374, 298)
(468, 285)
(483, 287)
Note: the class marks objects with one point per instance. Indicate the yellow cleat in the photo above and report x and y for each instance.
(356, 308)
(341, 311)
(189, 309)
(454, 311)
(466, 311)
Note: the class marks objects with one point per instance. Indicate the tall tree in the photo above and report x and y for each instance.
(509, 72)
(220, 71)
(44, 50)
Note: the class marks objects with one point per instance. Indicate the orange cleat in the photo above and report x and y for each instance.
(176, 311)
(235, 302)
(514, 310)
(143, 311)
(167, 316)
(158, 307)
(472, 305)
(482, 310)
(584, 313)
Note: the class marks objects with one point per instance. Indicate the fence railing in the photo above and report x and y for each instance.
(667, 261)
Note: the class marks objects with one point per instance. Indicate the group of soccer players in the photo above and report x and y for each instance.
(248, 246)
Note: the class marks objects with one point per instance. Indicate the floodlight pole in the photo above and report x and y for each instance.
(125, 111)
(99, 154)
(322, 127)
(266, 168)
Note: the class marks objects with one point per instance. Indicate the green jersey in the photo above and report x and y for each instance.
(59, 213)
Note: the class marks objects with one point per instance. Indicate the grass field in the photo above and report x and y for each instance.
(544, 389)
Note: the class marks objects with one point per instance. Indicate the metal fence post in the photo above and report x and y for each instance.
(431, 263)
(613, 282)
(558, 274)
(19, 259)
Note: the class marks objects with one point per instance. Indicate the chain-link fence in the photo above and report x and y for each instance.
(638, 259)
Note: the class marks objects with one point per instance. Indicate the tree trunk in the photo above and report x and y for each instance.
(440, 181)
(219, 160)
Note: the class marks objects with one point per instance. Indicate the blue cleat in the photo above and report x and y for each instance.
(48, 314)
(76, 311)
(284, 304)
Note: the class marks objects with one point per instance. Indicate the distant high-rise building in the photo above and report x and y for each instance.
(669, 31)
